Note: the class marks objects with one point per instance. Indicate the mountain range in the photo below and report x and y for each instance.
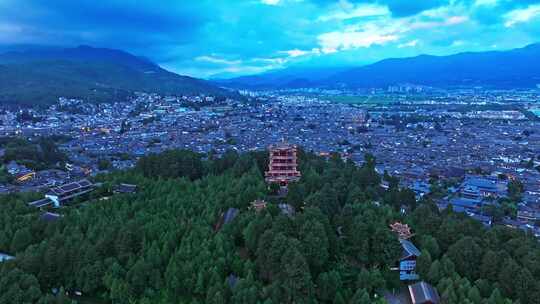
(517, 68)
(42, 75)
(38, 76)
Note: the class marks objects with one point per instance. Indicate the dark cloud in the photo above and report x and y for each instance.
(398, 8)
(208, 36)
(401, 8)
(119, 23)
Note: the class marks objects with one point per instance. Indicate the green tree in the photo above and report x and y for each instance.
(490, 266)
(423, 264)
(466, 255)
(21, 240)
(329, 283)
(434, 274)
(361, 296)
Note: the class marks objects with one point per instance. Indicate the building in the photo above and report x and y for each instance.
(13, 168)
(25, 176)
(62, 194)
(226, 217)
(461, 204)
(484, 219)
(423, 293)
(474, 187)
(283, 166)
(258, 205)
(125, 188)
(4, 257)
(402, 230)
(286, 209)
(20, 172)
(420, 188)
(407, 262)
(528, 214)
(50, 217)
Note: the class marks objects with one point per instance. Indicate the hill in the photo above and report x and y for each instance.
(40, 76)
(189, 233)
(518, 68)
(286, 78)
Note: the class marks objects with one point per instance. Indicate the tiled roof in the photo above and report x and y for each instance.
(422, 293)
(409, 249)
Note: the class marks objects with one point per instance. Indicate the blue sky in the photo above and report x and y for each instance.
(234, 37)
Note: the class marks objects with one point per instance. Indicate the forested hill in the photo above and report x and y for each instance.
(37, 77)
(166, 243)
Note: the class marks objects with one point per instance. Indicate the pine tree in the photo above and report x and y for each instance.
(423, 264)
(361, 297)
(496, 297)
(338, 299)
(434, 274)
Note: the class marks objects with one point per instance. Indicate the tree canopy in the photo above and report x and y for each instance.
(163, 245)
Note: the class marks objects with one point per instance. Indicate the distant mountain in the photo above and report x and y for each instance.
(289, 78)
(518, 68)
(40, 76)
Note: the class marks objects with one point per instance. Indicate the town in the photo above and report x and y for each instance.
(479, 152)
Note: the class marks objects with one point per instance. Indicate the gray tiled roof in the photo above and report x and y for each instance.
(422, 292)
(409, 249)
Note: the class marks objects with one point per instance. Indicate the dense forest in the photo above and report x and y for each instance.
(166, 244)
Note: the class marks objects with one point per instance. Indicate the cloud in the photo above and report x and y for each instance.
(270, 2)
(398, 8)
(486, 2)
(299, 53)
(112, 23)
(521, 15)
(350, 39)
(401, 8)
(295, 53)
(244, 36)
(358, 11)
(411, 43)
(217, 60)
(457, 43)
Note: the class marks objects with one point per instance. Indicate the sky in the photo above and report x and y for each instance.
(223, 38)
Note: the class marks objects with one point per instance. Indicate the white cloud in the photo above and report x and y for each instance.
(361, 10)
(411, 43)
(457, 43)
(295, 53)
(217, 60)
(276, 61)
(453, 20)
(448, 21)
(351, 39)
(486, 2)
(299, 53)
(521, 15)
(383, 29)
(270, 2)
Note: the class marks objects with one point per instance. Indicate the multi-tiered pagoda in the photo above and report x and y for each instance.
(283, 167)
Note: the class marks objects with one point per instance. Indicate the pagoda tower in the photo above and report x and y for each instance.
(283, 167)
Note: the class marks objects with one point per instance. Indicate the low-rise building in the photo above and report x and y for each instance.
(423, 293)
(125, 188)
(62, 194)
(5, 257)
(528, 214)
(407, 261)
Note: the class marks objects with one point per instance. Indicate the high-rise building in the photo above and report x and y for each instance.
(283, 166)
